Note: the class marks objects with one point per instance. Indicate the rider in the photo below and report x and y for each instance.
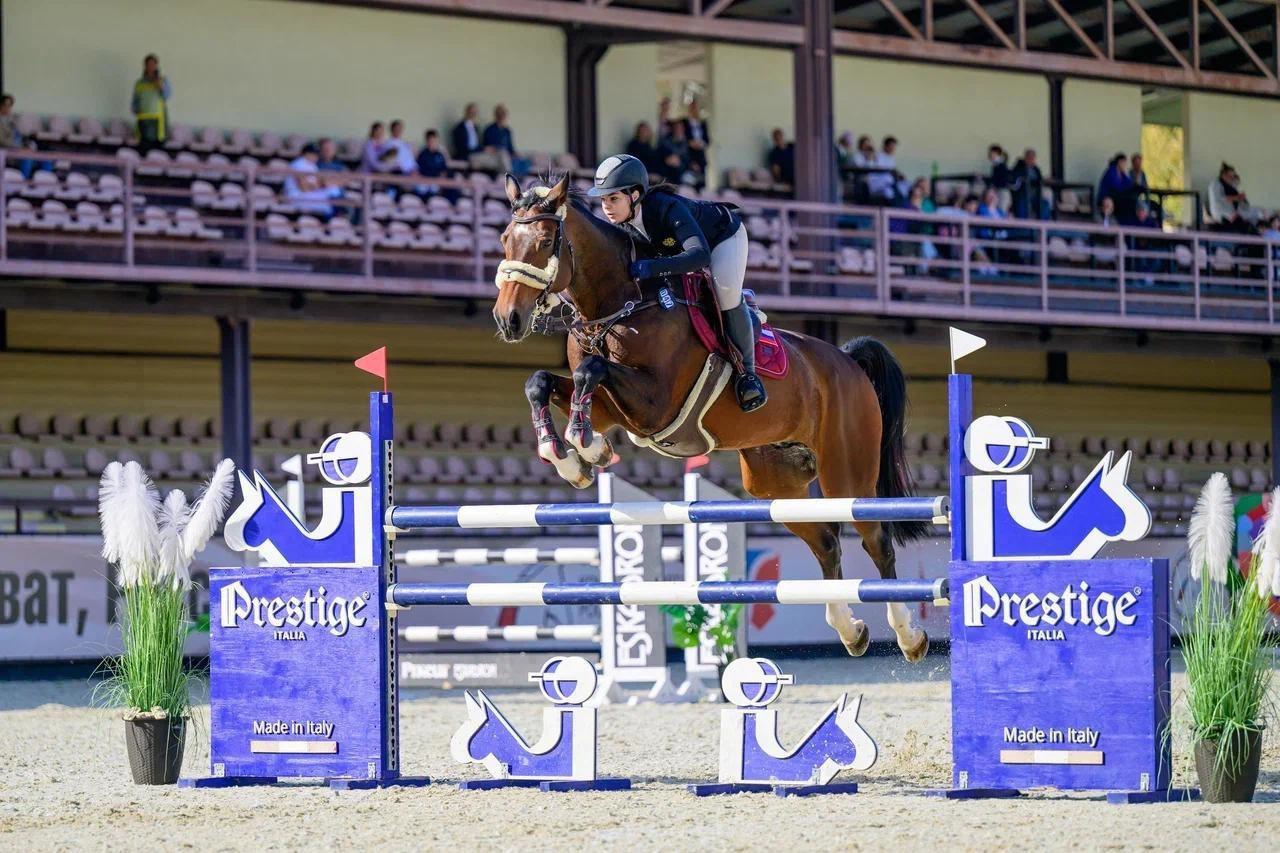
(686, 235)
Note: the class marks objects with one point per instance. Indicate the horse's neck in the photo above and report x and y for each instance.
(601, 281)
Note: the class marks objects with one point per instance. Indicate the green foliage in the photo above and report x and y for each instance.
(149, 675)
(1228, 665)
(689, 621)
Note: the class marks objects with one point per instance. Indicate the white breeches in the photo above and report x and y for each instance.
(729, 269)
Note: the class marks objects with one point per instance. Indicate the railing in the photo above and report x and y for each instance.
(804, 257)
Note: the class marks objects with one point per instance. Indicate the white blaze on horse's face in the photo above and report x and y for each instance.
(529, 274)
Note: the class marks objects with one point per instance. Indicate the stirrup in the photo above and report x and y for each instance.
(751, 393)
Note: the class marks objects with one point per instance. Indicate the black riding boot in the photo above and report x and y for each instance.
(741, 329)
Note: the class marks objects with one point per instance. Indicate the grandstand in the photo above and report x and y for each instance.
(173, 299)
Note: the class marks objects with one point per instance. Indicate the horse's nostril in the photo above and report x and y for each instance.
(513, 322)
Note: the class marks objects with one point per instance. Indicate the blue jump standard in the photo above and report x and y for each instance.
(669, 512)
(870, 591)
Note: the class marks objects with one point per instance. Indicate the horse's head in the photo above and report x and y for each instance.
(537, 261)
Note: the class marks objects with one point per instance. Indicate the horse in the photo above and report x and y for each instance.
(838, 417)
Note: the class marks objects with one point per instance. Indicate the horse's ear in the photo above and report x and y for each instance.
(560, 192)
(513, 189)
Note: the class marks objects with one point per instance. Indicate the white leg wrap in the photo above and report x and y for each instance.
(840, 617)
(570, 467)
(593, 453)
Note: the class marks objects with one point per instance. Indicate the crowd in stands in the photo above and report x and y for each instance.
(679, 153)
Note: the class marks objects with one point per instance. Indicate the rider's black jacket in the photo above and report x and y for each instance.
(682, 231)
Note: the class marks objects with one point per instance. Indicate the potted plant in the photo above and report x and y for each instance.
(689, 622)
(1224, 645)
(151, 544)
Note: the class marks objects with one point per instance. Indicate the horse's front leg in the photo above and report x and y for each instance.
(540, 390)
(592, 445)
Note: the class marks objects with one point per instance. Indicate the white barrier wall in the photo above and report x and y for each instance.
(1241, 131)
(315, 68)
(751, 94)
(1098, 120)
(626, 93)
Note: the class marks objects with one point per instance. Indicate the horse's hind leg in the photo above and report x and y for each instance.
(540, 390)
(785, 471)
(848, 467)
(912, 639)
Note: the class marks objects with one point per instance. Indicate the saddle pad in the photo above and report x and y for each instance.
(771, 350)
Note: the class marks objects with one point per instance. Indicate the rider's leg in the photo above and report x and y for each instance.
(728, 270)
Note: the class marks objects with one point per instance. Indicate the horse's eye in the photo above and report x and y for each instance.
(545, 243)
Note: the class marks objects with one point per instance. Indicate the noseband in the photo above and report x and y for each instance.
(539, 278)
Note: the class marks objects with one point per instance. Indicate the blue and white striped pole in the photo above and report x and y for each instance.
(873, 591)
(568, 556)
(934, 509)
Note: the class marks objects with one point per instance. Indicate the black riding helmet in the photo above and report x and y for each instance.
(620, 173)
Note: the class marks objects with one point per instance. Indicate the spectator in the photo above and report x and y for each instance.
(403, 163)
(970, 207)
(1228, 205)
(917, 199)
(641, 146)
(1115, 181)
(150, 104)
(845, 151)
(1136, 174)
(664, 120)
(433, 164)
(328, 161)
(999, 160)
(990, 209)
(1142, 218)
(375, 150)
(466, 134)
(1107, 211)
(11, 137)
(306, 191)
(1272, 229)
(1027, 186)
(782, 158)
(698, 136)
(499, 143)
(674, 155)
(883, 184)
(920, 190)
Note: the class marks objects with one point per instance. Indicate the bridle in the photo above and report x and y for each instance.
(590, 334)
(540, 278)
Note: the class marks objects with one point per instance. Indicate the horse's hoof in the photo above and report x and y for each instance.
(917, 652)
(858, 646)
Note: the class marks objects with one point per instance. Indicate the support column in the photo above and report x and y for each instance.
(583, 53)
(1275, 420)
(815, 131)
(1057, 147)
(237, 395)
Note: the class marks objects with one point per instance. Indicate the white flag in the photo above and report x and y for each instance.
(962, 344)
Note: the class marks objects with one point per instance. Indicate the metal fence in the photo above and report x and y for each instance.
(155, 219)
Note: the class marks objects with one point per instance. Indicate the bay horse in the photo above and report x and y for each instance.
(838, 416)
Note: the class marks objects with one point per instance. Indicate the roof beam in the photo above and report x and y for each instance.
(1154, 28)
(1239, 39)
(681, 24)
(896, 13)
(990, 24)
(895, 47)
(1079, 33)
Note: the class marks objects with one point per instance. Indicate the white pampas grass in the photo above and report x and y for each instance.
(173, 520)
(1211, 528)
(1267, 551)
(128, 504)
(156, 542)
(207, 513)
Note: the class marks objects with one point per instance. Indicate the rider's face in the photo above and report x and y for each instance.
(617, 207)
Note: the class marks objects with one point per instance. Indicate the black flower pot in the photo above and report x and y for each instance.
(1219, 786)
(155, 747)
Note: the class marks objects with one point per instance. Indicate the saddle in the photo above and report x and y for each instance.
(708, 324)
(686, 436)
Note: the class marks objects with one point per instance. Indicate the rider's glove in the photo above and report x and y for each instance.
(642, 269)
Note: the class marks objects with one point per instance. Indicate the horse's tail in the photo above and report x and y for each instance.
(891, 389)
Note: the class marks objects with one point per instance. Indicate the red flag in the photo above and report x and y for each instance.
(375, 363)
(695, 462)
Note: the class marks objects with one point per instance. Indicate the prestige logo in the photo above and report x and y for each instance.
(314, 609)
(1042, 614)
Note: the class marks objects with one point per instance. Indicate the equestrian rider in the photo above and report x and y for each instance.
(686, 235)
